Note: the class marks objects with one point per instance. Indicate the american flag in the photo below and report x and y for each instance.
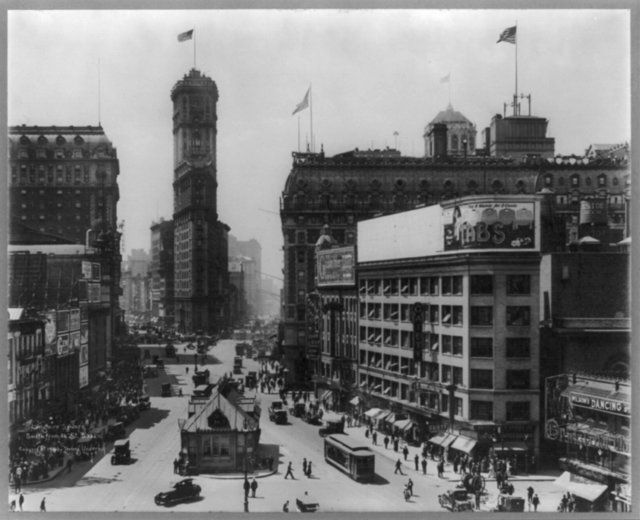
(508, 35)
(185, 36)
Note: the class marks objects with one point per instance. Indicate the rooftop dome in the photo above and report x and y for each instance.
(449, 116)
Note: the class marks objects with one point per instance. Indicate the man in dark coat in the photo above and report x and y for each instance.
(247, 487)
(405, 452)
(289, 471)
(416, 460)
(398, 467)
(254, 487)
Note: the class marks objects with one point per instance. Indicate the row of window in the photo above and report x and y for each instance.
(55, 178)
(516, 284)
(480, 315)
(478, 410)
(574, 181)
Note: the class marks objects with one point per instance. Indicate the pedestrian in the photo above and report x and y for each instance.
(405, 452)
(375, 438)
(424, 465)
(441, 468)
(535, 501)
(386, 442)
(43, 507)
(416, 461)
(289, 471)
(477, 500)
(304, 466)
(529, 496)
(398, 467)
(410, 487)
(13, 505)
(247, 487)
(254, 487)
(186, 369)
(309, 469)
(366, 433)
(456, 463)
(69, 465)
(21, 501)
(285, 507)
(395, 444)
(175, 465)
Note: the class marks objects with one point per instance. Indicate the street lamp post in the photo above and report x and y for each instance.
(246, 493)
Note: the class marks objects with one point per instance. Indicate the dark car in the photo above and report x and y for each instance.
(116, 431)
(144, 402)
(509, 504)
(456, 500)
(182, 491)
(121, 452)
(334, 423)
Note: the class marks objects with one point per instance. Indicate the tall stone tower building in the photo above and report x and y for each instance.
(200, 248)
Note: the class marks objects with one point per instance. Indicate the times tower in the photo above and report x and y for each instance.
(200, 239)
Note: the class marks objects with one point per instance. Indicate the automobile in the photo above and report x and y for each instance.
(277, 413)
(307, 504)
(456, 500)
(183, 491)
(251, 379)
(170, 350)
(150, 371)
(298, 409)
(509, 504)
(334, 423)
(121, 452)
(116, 431)
(144, 402)
(166, 390)
(313, 417)
(160, 363)
(128, 414)
(201, 377)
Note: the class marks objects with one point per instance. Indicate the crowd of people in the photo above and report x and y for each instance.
(42, 446)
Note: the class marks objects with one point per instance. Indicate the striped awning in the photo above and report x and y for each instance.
(444, 439)
(463, 443)
(403, 424)
(382, 414)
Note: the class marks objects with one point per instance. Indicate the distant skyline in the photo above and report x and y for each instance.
(372, 72)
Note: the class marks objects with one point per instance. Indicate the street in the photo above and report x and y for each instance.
(155, 444)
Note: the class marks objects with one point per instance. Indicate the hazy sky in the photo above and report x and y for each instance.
(373, 72)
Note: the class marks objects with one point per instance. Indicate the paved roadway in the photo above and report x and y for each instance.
(155, 443)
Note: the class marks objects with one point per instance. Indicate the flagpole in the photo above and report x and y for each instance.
(298, 133)
(449, 88)
(311, 117)
(515, 94)
(194, 48)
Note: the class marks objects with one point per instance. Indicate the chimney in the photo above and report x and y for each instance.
(439, 133)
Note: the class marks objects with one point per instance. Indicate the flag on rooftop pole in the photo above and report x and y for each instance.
(446, 78)
(185, 36)
(303, 104)
(508, 35)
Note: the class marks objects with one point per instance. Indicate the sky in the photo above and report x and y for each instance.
(372, 73)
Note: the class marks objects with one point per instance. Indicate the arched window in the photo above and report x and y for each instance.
(548, 180)
(195, 140)
(575, 181)
(602, 180)
(454, 143)
(496, 185)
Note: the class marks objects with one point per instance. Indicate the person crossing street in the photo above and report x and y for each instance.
(398, 467)
(416, 461)
(424, 465)
(289, 471)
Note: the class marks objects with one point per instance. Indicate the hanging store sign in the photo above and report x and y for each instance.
(336, 267)
(489, 225)
(74, 320)
(83, 376)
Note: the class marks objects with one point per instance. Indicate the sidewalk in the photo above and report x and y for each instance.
(358, 433)
(238, 476)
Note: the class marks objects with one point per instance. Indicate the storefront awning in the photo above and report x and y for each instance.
(444, 439)
(403, 424)
(463, 443)
(325, 395)
(371, 412)
(510, 446)
(355, 401)
(381, 415)
(580, 486)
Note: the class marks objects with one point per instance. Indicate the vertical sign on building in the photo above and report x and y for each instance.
(417, 318)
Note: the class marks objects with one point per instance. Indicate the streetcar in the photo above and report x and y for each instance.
(350, 456)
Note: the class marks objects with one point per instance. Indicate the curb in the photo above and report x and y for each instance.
(235, 476)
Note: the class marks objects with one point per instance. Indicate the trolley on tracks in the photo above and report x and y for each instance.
(350, 456)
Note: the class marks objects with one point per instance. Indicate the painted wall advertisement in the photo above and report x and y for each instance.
(336, 267)
(94, 292)
(83, 376)
(489, 225)
(86, 270)
(84, 333)
(63, 344)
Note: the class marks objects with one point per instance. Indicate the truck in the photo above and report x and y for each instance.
(277, 413)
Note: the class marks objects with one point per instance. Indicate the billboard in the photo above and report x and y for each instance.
(83, 376)
(63, 321)
(74, 339)
(50, 333)
(63, 344)
(74, 320)
(489, 225)
(94, 292)
(336, 267)
(84, 354)
(84, 333)
(86, 270)
(593, 210)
